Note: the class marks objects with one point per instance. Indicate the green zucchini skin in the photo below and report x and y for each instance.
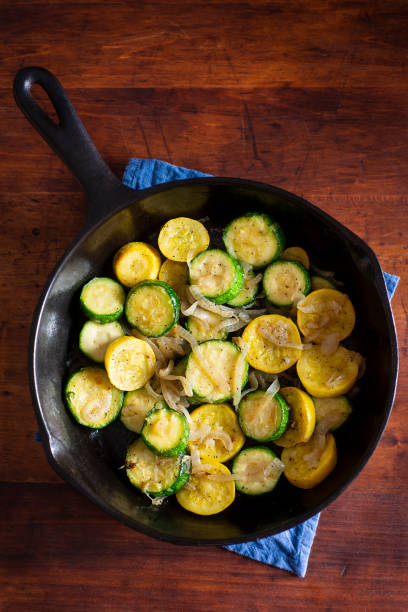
(321, 282)
(223, 295)
(340, 405)
(245, 407)
(107, 284)
(160, 325)
(273, 230)
(199, 397)
(95, 337)
(274, 284)
(163, 412)
(97, 380)
(180, 465)
(260, 454)
(246, 296)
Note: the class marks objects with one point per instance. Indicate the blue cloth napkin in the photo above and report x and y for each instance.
(290, 549)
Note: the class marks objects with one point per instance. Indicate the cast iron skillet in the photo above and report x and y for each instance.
(88, 459)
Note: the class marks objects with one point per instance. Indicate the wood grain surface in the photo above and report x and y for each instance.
(311, 96)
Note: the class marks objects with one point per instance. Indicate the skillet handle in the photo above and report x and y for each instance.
(71, 142)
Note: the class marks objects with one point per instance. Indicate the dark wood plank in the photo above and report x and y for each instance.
(54, 532)
(310, 96)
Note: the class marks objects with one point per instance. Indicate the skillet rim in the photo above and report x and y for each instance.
(91, 224)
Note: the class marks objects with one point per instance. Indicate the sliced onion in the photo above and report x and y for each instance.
(224, 311)
(190, 310)
(330, 344)
(222, 477)
(273, 387)
(254, 471)
(197, 467)
(198, 433)
(312, 458)
(254, 281)
(254, 384)
(335, 379)
(158, 353)
(306, 308)
(184, 382)
(282, 340)
(166, 371)
(330, 420)
(298, 298)
(238, 371)
(246, 267)
(152, 392)
(171, 346)
(183, 333)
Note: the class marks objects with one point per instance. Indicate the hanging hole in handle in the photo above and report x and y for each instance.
(41, 97)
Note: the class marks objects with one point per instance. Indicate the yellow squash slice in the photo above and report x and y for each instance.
(175, 274)
(274, 343)
(296, 254)
(181, 239)
(135, 262)
(204, 495)
(328, 375)
(325, 312)
(301, 467)
(302, 417)
(215, 432)
(129, 362)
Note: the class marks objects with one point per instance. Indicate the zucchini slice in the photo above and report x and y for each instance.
(333, 411)
(91, 398)
(274, 343)
(321, 282)
(302, 417)
(255, 239)
(129, 362)
(135, 262)
(258, 470)
(154, 475)
(284, 281)
(262, 416)
(181, 239)
(248, 292)
(211, 370)
(328, 375)
(296, 254)
(302, 470)
(208, 492)
(165, 431)
(94, 338)
(215, 432)
(218, 276)
(208, 328)
(175, 274)
(152, 307)
(102, 299)
(136, 406)
(326, 312)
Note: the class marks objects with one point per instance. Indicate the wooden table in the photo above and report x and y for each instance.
(310, 96)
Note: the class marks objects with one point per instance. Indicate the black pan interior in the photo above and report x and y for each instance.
(90, 459)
